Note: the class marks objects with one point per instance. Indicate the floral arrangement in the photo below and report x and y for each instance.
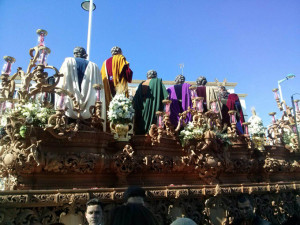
(120, 109)
(256, 127)
(192, 132)
(289, 138)
(32, 113)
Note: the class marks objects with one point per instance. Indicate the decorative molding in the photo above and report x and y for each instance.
(275, 205)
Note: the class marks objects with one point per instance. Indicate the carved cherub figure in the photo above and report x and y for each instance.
(182, 119)
(169, 126)
(59, 120)
(128, 150)
(8, 87)
(34, 152)
(210, 141)
(153, 133)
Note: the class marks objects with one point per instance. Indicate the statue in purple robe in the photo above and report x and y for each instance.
(180, 95)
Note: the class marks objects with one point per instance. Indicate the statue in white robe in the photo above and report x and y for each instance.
(79, 77)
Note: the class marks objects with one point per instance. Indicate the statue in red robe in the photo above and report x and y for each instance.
(201, 90)
(207, 92)
(231, 102)
(115, 74)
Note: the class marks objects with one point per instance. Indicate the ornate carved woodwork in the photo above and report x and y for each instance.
(273, 201)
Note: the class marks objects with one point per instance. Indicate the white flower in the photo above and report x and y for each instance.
(27, 114)
(256, 126)
(31, 112)
(29, 106)
(3, 121)
(120, 108)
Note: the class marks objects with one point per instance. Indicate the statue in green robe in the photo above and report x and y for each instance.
(147, 101)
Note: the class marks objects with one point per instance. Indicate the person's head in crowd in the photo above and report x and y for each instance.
(57, 224)
(132, 214)
(294, 220)
(93, 212)
(183, 221)
(179, 79)
(135, 194)
(245, 207)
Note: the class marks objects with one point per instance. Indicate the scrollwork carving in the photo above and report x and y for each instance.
(67, 163)
(124, 162)
(158, 163)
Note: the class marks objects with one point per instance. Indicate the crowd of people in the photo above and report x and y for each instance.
(134, 211)
(80, 75)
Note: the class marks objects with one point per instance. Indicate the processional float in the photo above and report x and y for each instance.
(50, 166)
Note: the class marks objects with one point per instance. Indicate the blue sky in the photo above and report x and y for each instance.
(254, 43)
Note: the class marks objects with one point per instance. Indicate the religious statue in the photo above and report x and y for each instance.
(147, 101)
(206, 92)
(180, 94)
(79, 77)
(116, 74)
(230, 102)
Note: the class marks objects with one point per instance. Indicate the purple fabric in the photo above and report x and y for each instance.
(178, 106)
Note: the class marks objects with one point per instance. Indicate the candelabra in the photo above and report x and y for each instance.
(276, 96)
(283, 130)
(163, 127)
(20, 143)
(297, 106)
(96, 118)
(34, 87)
(296, 117)
(232, 129)
(8, 85)
(246, 134)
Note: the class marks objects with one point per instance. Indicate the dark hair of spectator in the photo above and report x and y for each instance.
(132, 214)
(294, 220)
(93, 201)
(183, 221)
(134, 191)
(243, 198)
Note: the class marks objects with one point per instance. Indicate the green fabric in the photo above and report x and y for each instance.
(145, 110)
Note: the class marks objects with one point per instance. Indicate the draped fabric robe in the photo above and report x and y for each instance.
(84, 93)
(146, 105)
(115, 74)
(233, 103)
(179, 103)
(209, 94)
